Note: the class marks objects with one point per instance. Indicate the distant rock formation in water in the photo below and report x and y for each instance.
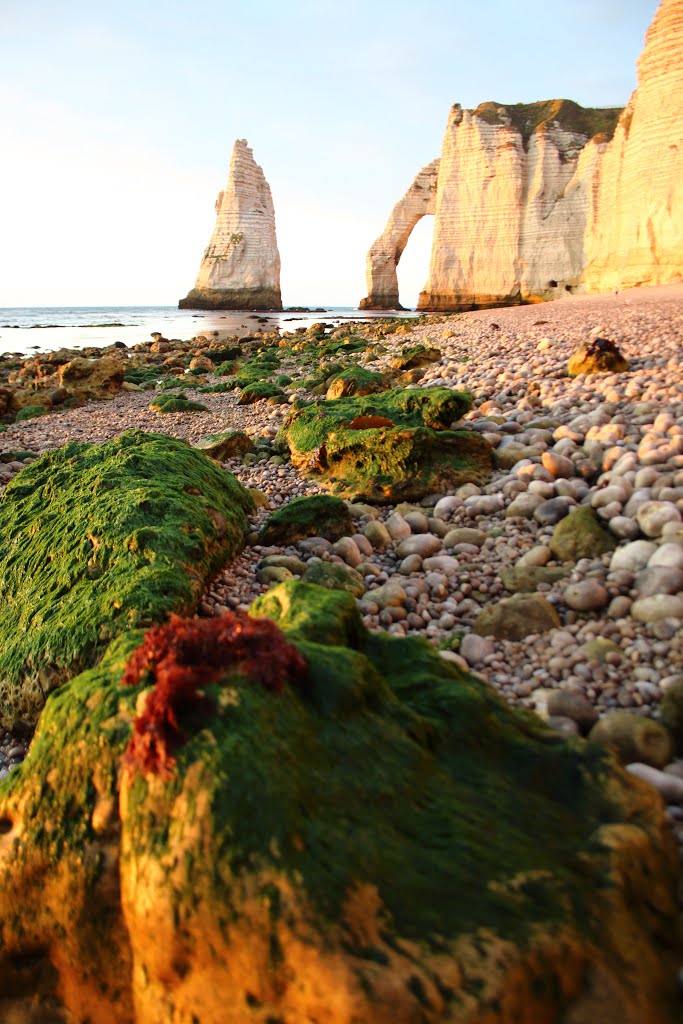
(241, 266)
(534, 201)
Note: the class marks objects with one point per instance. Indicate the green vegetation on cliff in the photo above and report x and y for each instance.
(527, 118)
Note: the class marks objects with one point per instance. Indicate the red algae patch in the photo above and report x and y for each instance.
(183, 656)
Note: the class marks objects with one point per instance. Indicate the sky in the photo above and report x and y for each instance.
(118, 120)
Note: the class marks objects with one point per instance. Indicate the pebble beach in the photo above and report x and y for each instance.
(612, 442)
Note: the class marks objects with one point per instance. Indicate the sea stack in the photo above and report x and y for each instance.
(241, 265)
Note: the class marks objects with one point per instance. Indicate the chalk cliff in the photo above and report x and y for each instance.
(386, 251)
(637, 236)
(513, 198)
(241, 266)
(534, 201)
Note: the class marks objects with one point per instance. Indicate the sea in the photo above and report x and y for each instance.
(32, 329)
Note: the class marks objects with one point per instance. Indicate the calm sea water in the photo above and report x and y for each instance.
(43, 329)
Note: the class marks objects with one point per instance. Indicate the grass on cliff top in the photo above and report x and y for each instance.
(527, 118)
(99, 539)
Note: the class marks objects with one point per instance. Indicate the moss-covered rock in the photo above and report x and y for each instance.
(176, 403)
(318, 515)
(228, 444)
(388, 447)
(414, 356)
(30, 412)
(355, 380)
(524, 579)
(383, 821)
(335, 577)
(258, 391)
(671, 711)
(99, 539)
(580, 535)
(514, 618)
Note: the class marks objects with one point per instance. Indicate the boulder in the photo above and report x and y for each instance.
(92, 378)
(355, 380)
(228, 444)
(580, 535)
(98, 539)
(334, 576)
(514, 618)
(178, 402)
(390, 447)
(323, 825)
(598, 356)
(524, 579)
(634, 738)
(319, 515)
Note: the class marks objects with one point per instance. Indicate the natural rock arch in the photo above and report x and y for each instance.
(386, 251)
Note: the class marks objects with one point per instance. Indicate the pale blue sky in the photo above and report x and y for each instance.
(118, 120)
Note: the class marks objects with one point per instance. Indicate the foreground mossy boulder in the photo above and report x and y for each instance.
(98, 539)
(371, 836)
(394, 446)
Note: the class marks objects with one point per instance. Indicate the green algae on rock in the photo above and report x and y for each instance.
(514, 618)
(335, 577)
(259, 390)
(580, 535)
(99, 539)
(385, 821)
(227, 444)
(387, 447)
(317, 515)
(176, 403)
(355, 380)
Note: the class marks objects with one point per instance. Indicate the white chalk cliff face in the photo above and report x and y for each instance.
(386, 251)
(637, 236)
(513, 199)
(535, 201)
(241, 265)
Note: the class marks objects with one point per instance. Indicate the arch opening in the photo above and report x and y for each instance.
(413, 266)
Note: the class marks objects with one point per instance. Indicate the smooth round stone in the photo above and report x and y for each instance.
(464, 535)
(586, 596)
(468, 491)
(413, 563)
(446, 506)
(574, 488)
(397, 527)
(653, 515)
(273, 574)
(391, 595)
(524, 505)
(623, 527)
(364, 545)
(540, 555)
(475, 649)
(668, 555)
(454, 659)
(559, 465)
(606, 495)
(377, 534)
(659, 606)
(442, 563)
(423, 544)
(347, 549)
(668, 785)
(417, 522)
(544, 488)
(484, 504)
(315, 546)
(619, 607)
(552, 511)
(658, 579)
(562, 725)
(634, 556)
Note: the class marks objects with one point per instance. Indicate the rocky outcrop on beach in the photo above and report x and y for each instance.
(386, 251)
(636, 236)
(283, 816)
(536, 201)
(227, 820)
(240, 268)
